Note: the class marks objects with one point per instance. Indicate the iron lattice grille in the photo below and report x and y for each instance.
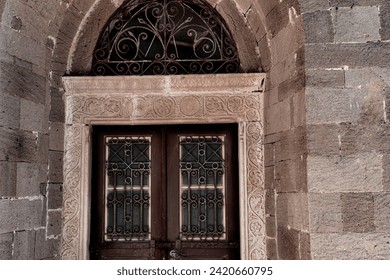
(165, 37)
(202, 178)
(127, 190)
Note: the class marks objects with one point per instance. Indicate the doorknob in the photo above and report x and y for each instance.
(175, 255)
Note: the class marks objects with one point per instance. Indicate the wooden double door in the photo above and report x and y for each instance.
(165, 192)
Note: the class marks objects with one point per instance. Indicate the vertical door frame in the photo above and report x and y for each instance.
(157, 100)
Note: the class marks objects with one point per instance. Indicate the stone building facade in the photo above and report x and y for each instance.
(321, 182)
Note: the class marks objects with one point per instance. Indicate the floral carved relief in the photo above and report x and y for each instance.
(185, 100)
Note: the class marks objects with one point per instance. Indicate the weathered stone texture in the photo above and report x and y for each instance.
(20, 214)
(356, 246)
(318, 27)
(351, 3)
(313, 5)
(20, 82)
(7, 179)
(292, 210)
(358, 212)
(325, 213)
(29, 176)
(359, 173)
(290, 175)
(56, 167)
(9, 111)
(33, 116)
(24, 245)
(353, 55)
(54, 196)
(360, 24)
(382, 212)
(385, 22)
(288, 243)
(56, 137)
(6, 240)
(332, 78)
(46, 248)
(17, 145)
(54, 223)
(324, 139)
(327, 106)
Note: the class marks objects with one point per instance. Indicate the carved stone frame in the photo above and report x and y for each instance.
(187, 99)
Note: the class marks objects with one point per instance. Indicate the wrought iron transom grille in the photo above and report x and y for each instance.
(165, 37)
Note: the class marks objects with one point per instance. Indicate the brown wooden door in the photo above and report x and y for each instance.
(165, 192)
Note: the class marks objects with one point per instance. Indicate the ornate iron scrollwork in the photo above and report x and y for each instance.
(165, 37)
(202, 177)
(127, 188)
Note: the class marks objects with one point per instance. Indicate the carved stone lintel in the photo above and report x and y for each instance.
(163, 100)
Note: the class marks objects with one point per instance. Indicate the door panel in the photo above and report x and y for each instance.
(161, 192)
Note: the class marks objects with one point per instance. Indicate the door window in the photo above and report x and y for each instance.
(165, 192)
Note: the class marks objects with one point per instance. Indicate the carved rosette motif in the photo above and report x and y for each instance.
(203, 106)
(87, 108)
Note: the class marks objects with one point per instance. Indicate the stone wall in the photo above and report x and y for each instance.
(347, 93)
(327, 161)
(31, 140)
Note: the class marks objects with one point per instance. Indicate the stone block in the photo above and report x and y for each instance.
(55, 167)
(276, 19)
(22, 214)
(386, 172)
(29, 177)
(313, 5)
(332, 78)
(358, 212)
(292, 210)
(318, 27)
(272, 253)
(292, 86)
(7, 179)
(384, 14)
(304, 246)
(270, 224)
(43, 148)
(9, 111)
(323, 140)
(327, 106)
(54, 196)
(352, 3)
(288, 243)
(382, 212)
(56, 136)
(270, 203)
(358, 173)
(54, 223)
(17, 145)
(278, 117)
(269, 177)
(46, 248)
(33, 116)
(286, 42)
(290, 175)
(352, 246)
(6, 240)
(20, 82)
(57, 103)
(360, 24)
(292, 145)
(325, 212)
(352, 55)
(24, 245)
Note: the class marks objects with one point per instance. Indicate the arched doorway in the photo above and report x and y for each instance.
(216, 99)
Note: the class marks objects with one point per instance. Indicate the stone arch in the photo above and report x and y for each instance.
(269, 38)
(80, 54)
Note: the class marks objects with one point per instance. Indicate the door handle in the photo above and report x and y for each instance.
(176, 255)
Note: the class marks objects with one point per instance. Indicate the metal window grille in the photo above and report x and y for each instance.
(165, 37)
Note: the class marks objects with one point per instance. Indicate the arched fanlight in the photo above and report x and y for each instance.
(165, 37)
